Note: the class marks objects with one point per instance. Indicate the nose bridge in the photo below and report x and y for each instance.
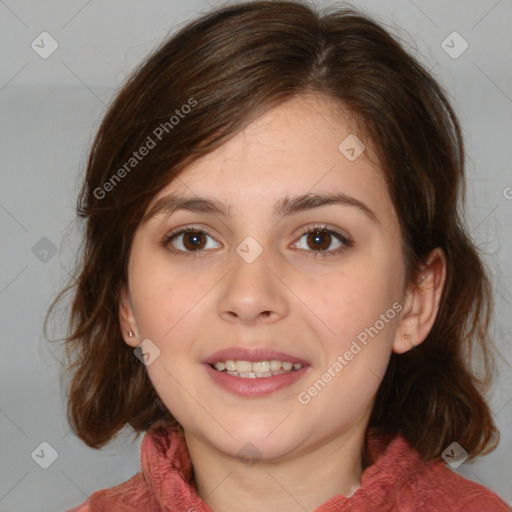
(251, 289)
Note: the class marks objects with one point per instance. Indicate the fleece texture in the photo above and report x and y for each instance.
(395, 481)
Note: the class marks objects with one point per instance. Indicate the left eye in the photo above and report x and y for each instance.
(320, 239)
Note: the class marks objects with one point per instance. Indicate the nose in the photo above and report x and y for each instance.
(252, 292)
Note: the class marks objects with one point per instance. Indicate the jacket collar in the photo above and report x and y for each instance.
(167, 469)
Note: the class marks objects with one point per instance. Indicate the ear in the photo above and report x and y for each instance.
(421, 304)
(127, 318)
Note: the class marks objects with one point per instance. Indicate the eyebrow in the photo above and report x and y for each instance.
(288, 205)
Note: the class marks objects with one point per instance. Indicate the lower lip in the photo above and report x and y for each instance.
(259, 386)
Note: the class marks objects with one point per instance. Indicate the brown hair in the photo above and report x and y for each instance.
(230, 66)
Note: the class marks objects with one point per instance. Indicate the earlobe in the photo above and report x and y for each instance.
(422, 306)
(127, 319)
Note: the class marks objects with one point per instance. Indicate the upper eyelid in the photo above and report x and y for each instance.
(305, 230)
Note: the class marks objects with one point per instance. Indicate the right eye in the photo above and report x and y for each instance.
(186, 241)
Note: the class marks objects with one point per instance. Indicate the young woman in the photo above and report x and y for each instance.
(276, 284)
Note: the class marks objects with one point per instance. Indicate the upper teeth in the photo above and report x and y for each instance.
(257, 366)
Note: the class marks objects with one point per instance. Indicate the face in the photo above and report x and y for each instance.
(313, 283)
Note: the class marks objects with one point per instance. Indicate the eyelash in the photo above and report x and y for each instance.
(347, 243)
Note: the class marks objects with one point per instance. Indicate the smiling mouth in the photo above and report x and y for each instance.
(256, 369)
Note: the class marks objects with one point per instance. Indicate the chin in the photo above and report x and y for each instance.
(262, 439)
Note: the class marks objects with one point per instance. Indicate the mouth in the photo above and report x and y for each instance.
(256, 369)
(256, 372)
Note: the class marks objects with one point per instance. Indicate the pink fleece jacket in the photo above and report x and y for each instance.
(395, 481)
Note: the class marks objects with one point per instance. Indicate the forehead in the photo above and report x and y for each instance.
(295, 148)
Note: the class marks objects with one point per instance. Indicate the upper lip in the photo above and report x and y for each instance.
(252, 355)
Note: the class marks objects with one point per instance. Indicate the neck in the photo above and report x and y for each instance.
(301, 482)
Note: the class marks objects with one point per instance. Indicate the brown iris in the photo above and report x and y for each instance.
(319, 240)
(196, 239)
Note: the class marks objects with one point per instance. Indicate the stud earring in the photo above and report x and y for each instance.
(130, 333)
(407, 336)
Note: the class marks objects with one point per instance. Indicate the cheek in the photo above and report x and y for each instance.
(163, 296)
(355, 359)
(361, 308)
(357, 297)
(169, 312)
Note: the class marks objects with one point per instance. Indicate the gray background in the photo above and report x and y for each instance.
(50, 109)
